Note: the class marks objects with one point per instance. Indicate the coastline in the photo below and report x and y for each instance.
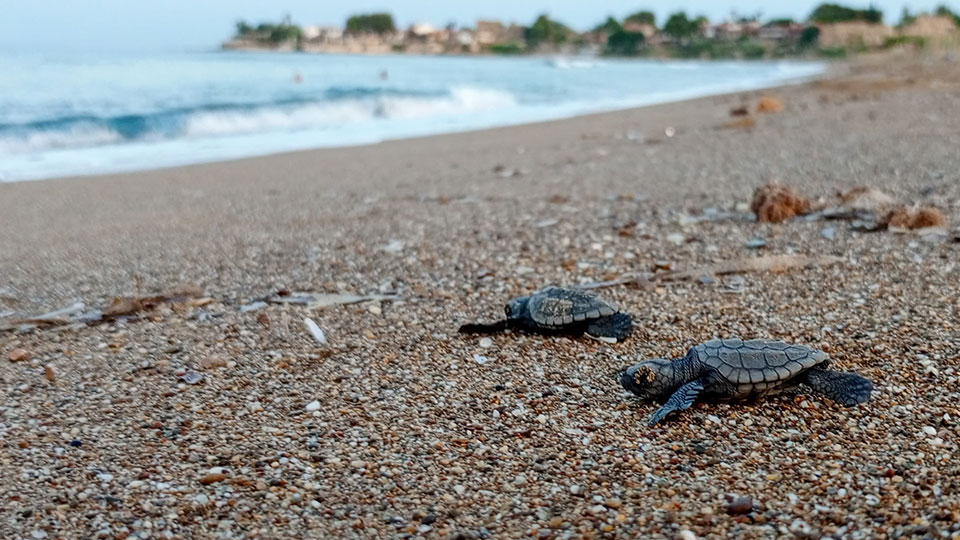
(420, 427)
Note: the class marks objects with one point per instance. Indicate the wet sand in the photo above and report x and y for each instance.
(423, 432)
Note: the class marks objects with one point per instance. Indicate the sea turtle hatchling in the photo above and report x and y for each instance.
(556, 310)
(735, 369)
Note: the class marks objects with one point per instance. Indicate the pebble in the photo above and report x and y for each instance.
(756, 243)
(49, 373)
(520, 480)
(19, 355)
(212, 361)
(313, 406)
(486, 342)
(191, 377)
(830, 233)
(213, 478)
(740, 505)
(375, 309)
(930, 430)
(687, 535)
(677, 238)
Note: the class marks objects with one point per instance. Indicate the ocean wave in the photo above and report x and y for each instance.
(332, 108)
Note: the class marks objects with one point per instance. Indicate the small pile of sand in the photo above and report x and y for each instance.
(774, 203)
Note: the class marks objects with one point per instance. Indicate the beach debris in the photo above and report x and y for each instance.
(182, 294)
(676, 238)
(913, 218)
(546, 223)
(315, 331)
(866, 198)
(740, 111)
(324, 300)
(506, 172)
(54, 318)
(670, 131)
(775, 203)
(49, 373)
(745, 122)
(756, 243)
(191, 377)
(769, 104)
(480, 359)
(253, 306)
(767, 263)
(394, 247)
(19, 355)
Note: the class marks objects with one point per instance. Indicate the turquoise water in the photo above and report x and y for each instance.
(75, 115)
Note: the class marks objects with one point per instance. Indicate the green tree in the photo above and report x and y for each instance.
(243, 28)
(679, 27)
(610, 26)
(623, 43)
(545, 30)
(810, 36)
(642, 17)
(372, 23)
(944, 11)
(782, 21)
(833, 13)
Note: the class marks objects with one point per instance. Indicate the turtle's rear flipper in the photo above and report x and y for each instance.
(479, 328)
(847, 389)
(618, 326)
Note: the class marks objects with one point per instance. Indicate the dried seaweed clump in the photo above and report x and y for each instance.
(769, 104)
(774, 203)
(866, 198)
(913, 217)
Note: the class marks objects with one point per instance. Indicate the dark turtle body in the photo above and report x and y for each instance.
(556, 310)
(736, 369)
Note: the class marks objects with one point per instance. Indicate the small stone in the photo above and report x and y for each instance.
(677, 238)
(201, 499)
(428, 519)
(613, 503)
(213, 361)
(19, 355)
(75, 443)
(375, 309)
(740, 505)
(930, 430)
(756, 243)
(191, 377)
(213, 478)
(830, 233)
(486, 342)
(687, 535)
(313, 406)
(105, 477)
(480, 359)
(520, 480)
(576, 490)
(49, 374)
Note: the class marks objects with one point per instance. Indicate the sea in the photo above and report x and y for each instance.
(81, 114)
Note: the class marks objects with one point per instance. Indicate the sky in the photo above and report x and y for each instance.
(177, 25)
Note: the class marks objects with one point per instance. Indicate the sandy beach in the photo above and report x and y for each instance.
(420, 432)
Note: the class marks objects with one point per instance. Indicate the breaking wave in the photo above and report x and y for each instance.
(331, 109)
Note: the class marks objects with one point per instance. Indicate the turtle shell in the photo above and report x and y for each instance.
(556, 307)
(757, 365)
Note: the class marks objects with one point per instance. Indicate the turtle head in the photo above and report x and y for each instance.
(517, 308)
(647, 379)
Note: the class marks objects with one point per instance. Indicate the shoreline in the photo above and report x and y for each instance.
(826, 71)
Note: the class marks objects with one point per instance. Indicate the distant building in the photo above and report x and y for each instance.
(781, 32)
(488, 33)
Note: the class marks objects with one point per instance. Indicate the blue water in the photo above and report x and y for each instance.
(75, 115)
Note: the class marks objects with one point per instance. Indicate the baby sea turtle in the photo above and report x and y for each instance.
(555, 310)
(735, 369)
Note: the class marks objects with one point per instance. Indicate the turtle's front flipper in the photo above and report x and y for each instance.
(479, 328)
(617, 326)
(847, 389)
(682, 399)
